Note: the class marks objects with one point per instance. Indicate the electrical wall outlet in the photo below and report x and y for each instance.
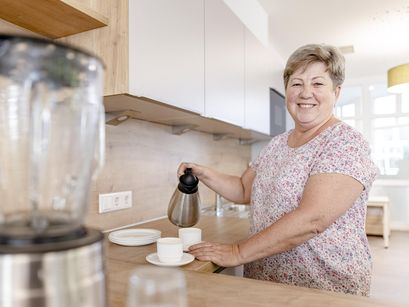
(115, 201)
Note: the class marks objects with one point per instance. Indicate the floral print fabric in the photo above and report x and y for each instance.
(337, 259)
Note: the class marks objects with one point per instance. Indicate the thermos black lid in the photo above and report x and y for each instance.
(188, 182)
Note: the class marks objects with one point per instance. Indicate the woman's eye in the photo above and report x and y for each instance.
(296, 84)
(318, 84)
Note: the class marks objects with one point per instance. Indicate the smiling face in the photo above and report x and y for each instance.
(311, 96)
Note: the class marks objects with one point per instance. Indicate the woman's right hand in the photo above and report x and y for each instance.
(234, 188)
(197, 170)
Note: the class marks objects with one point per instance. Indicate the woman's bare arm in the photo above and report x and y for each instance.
(234, 188)
(326, 197)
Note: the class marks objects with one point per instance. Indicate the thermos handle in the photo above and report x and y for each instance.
(99, 155)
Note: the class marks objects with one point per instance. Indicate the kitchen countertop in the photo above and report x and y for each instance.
(207, 289)
(222, 230)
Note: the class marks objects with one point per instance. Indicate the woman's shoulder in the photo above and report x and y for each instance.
(343, 138)
(343, 132)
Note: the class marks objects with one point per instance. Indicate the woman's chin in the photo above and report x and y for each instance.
(305, 120)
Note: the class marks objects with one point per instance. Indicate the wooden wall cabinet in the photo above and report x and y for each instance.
(52, 19)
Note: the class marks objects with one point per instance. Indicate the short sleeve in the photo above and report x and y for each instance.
(347, 153)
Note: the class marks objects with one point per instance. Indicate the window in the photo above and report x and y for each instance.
(349, 105)
(383, 118)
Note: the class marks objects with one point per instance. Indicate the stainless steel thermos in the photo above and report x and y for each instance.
(184, 206)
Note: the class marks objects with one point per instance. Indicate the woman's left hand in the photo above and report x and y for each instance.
(225, 255)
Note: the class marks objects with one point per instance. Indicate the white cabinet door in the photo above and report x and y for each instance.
(259, 68)
(224, 63)
(166, 51)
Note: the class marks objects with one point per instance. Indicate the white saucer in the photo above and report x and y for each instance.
(154, 259)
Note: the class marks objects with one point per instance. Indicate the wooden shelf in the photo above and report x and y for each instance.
(51, 18)
(377, 218)
(127, 106)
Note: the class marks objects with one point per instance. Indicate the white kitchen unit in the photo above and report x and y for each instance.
(198, 55)
(224, 63)
(166, 52)
(259, 68)
(154, 53)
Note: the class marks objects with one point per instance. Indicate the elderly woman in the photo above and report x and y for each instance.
(308, 189)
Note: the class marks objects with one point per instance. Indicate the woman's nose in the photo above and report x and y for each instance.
(306, 91)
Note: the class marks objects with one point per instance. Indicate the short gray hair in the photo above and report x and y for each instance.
(305, 55)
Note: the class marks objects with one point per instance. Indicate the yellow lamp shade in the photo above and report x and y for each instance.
(398, 79)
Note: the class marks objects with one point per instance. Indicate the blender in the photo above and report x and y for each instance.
(51, 145)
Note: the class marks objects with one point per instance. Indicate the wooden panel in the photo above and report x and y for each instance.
(12, 29)
(143, 157)
(110, 43)
(377, 218)
(54, 19)
(158, 112)
(374, 225)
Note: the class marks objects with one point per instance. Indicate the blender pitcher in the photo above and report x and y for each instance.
(51, 137)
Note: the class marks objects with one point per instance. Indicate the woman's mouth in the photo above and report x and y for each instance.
(305, 105)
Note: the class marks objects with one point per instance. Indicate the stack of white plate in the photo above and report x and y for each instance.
(134, 237)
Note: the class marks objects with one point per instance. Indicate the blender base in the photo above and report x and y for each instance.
(64, 274)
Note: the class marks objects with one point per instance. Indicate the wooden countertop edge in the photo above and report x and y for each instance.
(204, 289)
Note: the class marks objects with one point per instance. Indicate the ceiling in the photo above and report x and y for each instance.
(377, 29)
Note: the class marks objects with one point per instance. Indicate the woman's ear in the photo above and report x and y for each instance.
(337, 91)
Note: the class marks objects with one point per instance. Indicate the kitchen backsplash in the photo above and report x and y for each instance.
(143, 157)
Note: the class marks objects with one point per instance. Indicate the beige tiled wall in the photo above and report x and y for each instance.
(143, 157)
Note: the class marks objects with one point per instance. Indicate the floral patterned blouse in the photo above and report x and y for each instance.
(338, 259)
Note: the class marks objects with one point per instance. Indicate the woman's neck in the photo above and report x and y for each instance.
(300, 136)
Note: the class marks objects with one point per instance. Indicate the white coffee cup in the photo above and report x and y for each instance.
(169, 250)
(190, 236)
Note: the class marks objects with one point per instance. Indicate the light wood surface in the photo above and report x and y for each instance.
(158, 112)
(53, 19)
(377, 218)
(110, 43)
(209, 289)
(390, 272)
(214, 229)
(143, 157)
